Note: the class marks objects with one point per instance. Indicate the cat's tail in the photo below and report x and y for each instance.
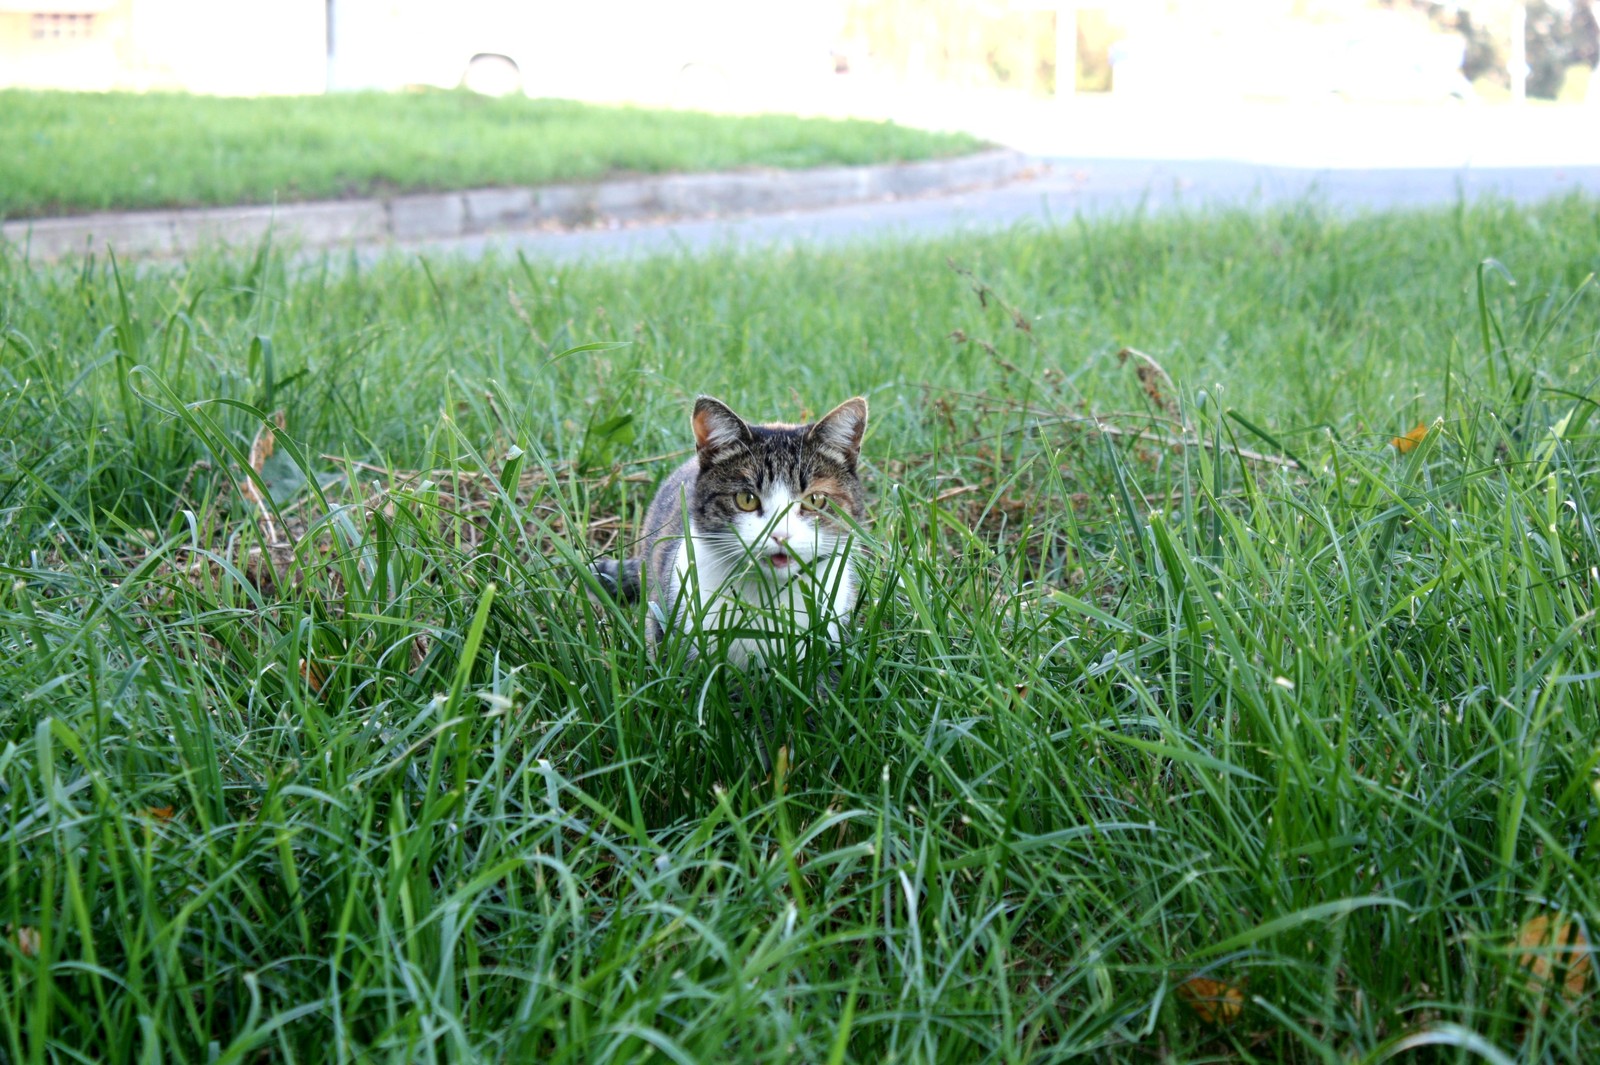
(619, 579)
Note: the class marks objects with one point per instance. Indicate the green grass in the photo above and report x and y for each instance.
(64, 153)
(1115, 712)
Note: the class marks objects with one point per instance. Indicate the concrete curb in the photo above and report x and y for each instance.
(474, 211)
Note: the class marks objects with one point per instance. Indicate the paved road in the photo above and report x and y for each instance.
(1099, 159)
(1064, 189)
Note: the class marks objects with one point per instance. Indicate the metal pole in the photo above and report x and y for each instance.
(1519, 52)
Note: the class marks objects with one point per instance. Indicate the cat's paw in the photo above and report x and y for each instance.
(620, 580)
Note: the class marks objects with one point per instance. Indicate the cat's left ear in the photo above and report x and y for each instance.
(838, 433)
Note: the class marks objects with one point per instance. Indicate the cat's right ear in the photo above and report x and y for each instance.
(717, 430)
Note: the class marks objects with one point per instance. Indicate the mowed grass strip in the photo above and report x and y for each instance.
(1143, 745)
(67, 153)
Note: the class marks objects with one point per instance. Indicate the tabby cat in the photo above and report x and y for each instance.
(753, 536)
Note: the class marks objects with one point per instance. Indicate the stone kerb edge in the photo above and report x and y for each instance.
(474, 211)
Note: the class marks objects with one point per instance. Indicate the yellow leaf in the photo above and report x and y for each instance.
(1214, 1001)
(1405, 444)
(1550, 944)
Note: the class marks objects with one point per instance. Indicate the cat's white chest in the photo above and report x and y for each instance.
(750, 615)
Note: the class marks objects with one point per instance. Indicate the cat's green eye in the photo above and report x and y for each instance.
(814, 501)
(746, 501)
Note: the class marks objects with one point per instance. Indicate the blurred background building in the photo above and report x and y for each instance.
(747, 53)
(233, 47)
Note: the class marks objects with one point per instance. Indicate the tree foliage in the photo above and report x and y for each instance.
(1559, 33)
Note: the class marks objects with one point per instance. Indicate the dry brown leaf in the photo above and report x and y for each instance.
(1550, 944)
(26, 938)
(158, 813)
(261, 449)
(268, 572)
(951, 493)
(1155, 381)
(313, 674)
(1407, 443)
(1213, 1001)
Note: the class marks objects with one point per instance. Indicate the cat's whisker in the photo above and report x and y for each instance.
(725, 553)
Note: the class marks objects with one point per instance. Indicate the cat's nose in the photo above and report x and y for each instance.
(781, 537)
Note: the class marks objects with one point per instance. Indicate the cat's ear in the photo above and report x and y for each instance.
(837, 434)
(717, 430)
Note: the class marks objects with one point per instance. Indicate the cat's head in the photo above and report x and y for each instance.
(788, 494)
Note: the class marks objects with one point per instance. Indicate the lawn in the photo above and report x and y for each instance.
(67, 153)
(1236, 701)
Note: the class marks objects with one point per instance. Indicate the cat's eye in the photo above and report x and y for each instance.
(814, 501)
(746, 501)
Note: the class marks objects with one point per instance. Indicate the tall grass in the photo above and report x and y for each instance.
(1134, 701)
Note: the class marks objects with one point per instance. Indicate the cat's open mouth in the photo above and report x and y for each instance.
(779, 560)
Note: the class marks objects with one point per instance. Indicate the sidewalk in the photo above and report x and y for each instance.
(1319, 135)
(1325, 134)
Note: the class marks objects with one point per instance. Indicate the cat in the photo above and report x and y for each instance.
(771, 514)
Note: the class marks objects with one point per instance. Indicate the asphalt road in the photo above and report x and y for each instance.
(1100, 158)
(1064, 189)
